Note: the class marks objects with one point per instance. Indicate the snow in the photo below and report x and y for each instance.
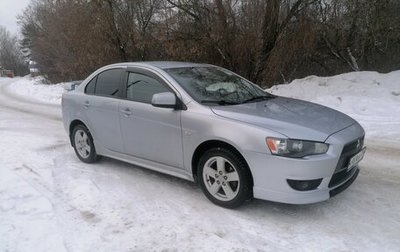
(50, 201)
(37, 89)
(373, 99)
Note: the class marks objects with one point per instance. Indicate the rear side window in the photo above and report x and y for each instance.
(141, 88)
(106, 83)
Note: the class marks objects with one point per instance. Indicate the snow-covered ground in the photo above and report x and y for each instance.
(37, 89)
(50, 201)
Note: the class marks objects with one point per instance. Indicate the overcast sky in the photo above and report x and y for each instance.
(9, 9)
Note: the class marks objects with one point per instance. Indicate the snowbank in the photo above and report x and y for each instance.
(373, 99)
(37, 89)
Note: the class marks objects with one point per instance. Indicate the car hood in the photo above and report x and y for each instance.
(293, 118)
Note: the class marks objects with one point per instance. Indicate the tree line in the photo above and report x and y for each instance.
(267, 41)
(11, 57)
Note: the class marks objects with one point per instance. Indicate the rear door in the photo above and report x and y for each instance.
(101, 105)
(149, 132)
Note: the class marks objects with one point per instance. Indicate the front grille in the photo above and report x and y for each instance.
(351, 147)
(341, 174)
(343, 187)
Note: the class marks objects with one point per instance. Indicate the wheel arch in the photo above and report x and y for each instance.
(72, 125)
(209, 144)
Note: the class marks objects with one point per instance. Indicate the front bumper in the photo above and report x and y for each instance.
(271, 173)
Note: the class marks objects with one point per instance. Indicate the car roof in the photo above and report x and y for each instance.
(162, 64)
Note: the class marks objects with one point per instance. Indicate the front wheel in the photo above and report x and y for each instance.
(224, 177)
(83, 144)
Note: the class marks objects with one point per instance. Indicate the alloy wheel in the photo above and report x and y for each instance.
(221, 178)
(82, 144)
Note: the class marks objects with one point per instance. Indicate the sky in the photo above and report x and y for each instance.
(9, 9)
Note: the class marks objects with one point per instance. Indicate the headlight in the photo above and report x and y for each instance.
(295, 148)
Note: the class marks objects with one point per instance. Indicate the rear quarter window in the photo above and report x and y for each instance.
(91, 86)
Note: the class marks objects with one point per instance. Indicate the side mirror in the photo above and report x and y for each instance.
(164, 100)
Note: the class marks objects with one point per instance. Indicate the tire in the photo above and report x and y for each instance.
(224, 178)
(82, 142)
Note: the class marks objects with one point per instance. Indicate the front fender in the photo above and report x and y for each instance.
(199, 127)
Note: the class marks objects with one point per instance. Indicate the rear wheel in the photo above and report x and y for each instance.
(83, 144)
(224, 177)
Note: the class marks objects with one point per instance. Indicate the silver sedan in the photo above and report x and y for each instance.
(206, 124)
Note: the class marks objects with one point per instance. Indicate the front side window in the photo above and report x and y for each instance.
(107, 83)
(141, 88)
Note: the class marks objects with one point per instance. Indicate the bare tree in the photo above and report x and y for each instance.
(11, 57)
(267, 41)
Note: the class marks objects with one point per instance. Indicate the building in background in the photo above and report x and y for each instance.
(6, 73)
(33, 68)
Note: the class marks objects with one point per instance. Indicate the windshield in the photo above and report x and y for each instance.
(216, 85)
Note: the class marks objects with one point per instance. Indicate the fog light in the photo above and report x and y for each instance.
(304, 185)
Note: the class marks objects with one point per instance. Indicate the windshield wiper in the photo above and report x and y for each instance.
(219, 102)
(259, 98)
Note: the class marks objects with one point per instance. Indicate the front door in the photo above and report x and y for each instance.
(150, 132)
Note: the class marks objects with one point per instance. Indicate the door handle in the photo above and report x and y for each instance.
(86, 104)
(126, 111)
